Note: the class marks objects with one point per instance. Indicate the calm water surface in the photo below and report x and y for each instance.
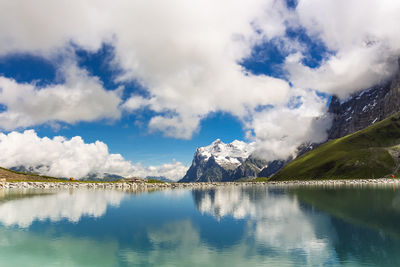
(225, 226)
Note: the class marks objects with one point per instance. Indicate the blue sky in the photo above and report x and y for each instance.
(123, 136)
(153, 81)
(131, 139)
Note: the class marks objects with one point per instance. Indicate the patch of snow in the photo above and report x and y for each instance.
(227, 154)
(375, 120)
(363, 92)
(354, 96)
(344, 100)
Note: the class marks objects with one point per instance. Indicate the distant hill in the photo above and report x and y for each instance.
(373, 152)
(11, 175)
(93, 177)
(160, 178)
(106, 177)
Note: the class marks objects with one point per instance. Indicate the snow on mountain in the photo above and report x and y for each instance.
(364, 108)
(223, 162)
(232, 154)
(230, 162)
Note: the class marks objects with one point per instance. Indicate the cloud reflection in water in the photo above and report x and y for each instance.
(70, 205)
(276, 220)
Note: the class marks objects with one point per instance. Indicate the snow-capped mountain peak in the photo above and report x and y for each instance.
(226, 154)
(223, 162)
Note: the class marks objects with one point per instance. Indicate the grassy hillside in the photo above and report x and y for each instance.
(370, 153)
(10, 175)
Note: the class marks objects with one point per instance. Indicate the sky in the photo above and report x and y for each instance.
(134, 87)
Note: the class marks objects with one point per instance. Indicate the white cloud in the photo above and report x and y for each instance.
(365, 44)
(279, 131)
(61, 157)
(178, 126)
(188, 60)
(186, 55)
(135, 102)
(80, 98)
(173, 171)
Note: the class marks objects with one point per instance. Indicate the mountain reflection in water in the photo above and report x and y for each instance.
(223, 226)
(361, 224)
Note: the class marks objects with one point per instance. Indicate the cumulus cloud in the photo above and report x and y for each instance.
(173, 171)
(364, 45)
(186, 55)
(278, 132)
(81, 98)
(61, 157)
(188, 60)
(290, 228)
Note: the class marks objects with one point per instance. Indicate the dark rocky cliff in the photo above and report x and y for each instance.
(206, 171)
(275, 165)
(251, 167)
(364, 108)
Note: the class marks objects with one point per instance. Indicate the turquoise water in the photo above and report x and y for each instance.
(226, 226)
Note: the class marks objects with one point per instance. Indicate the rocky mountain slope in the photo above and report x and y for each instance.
(355, 113)
(373, 152)
(275, 165)
(364, 108)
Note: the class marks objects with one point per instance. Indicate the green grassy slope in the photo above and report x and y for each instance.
(369, 153)
(12, 176)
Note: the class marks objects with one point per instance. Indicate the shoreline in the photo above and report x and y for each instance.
(200, 185)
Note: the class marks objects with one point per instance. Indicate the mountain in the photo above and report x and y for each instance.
(274, 166)
(251, 167)
(223, 162)
(40, 169)
(220, 162)
(11, 175)
(358, 111)
(29, 169)
(355, 113)
(364, 108)
(106, 177)
(160, 178)
(373, 152)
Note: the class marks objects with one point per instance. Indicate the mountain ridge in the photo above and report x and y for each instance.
(356, 112)
(373, 152)
(223, 162)
(365, 107)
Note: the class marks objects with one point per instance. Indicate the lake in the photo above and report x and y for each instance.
(223, 226)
